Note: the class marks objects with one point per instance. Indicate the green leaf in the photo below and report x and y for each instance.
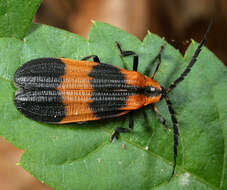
(16, 17)
(79, 156)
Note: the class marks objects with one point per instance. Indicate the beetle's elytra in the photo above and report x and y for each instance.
(65, 91)
(53, 90)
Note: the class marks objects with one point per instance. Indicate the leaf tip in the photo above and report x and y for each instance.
(148, 32)
(93, 21)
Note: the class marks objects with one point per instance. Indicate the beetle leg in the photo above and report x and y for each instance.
(159, 61)
(131, 120)
(162, 119)
(94, 57)
(119, 130)
(129, 53)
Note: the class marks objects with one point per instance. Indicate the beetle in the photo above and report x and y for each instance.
(60, 90)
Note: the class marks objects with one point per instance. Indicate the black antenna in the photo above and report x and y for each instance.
(175, 133)
(193, 60)
(172, 86)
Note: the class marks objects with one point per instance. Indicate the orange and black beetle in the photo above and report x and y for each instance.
(53, 90)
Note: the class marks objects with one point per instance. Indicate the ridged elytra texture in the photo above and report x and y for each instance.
(37, 97)
(110, 91)
(65, 91)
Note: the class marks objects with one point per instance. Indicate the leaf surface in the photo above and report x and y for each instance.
(16, 17)
(77, 156)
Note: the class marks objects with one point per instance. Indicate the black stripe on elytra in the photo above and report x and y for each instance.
(40, 73)
(107, 79)
(43, 106)
(37, 97)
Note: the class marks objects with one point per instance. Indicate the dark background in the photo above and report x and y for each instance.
(178, 21)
